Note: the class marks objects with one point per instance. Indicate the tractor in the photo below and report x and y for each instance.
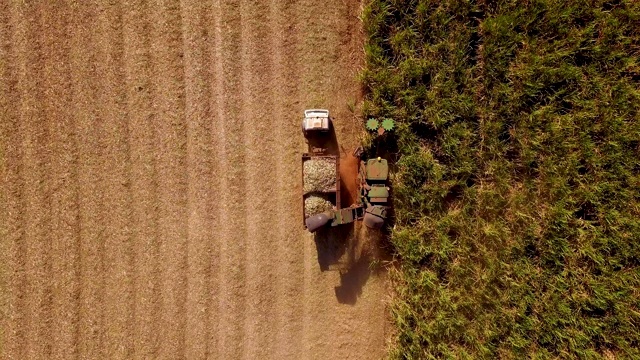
(371, 205)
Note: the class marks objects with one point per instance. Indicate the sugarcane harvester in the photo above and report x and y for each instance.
(321, 183)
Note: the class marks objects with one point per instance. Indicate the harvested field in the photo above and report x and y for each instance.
(151, 186)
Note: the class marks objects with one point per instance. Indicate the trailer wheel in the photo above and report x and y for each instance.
(315, 222)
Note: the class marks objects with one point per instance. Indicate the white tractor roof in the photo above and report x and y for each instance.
(315, 113)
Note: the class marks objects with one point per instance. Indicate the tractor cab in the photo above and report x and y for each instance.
(375, 174)
(378, 193)
(377, 170)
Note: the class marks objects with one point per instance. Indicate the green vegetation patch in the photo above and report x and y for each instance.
(517, 190)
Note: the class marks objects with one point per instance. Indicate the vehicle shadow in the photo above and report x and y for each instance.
(331, 244)
(336, 251)
(353, 278)
(352, 256)
(327, 141)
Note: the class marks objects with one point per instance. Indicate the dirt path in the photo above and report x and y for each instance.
(150, 157)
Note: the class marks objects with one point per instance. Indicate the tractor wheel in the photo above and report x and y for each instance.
(373, 221)
(372, 124)
(388, 124)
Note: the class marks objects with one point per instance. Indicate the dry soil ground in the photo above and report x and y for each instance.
(151, 186)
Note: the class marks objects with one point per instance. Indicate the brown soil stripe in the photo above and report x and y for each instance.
(260, 126)
(289, 321)
(144, 180)
(80, 60)
(7, 173)
(232, 267)
(114, 182)
(64, 226)
(157, 327)
(171, 142)
(37, 288)
(12, 43)
(200, 157)
(219, 181)
(87, 90)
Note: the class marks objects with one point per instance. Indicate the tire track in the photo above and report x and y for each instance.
(81, 93)
(233, 230)
(199, 164)
(88, 89)
(289, 320)
(144, 181)
(171, 142)
(259, 127)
